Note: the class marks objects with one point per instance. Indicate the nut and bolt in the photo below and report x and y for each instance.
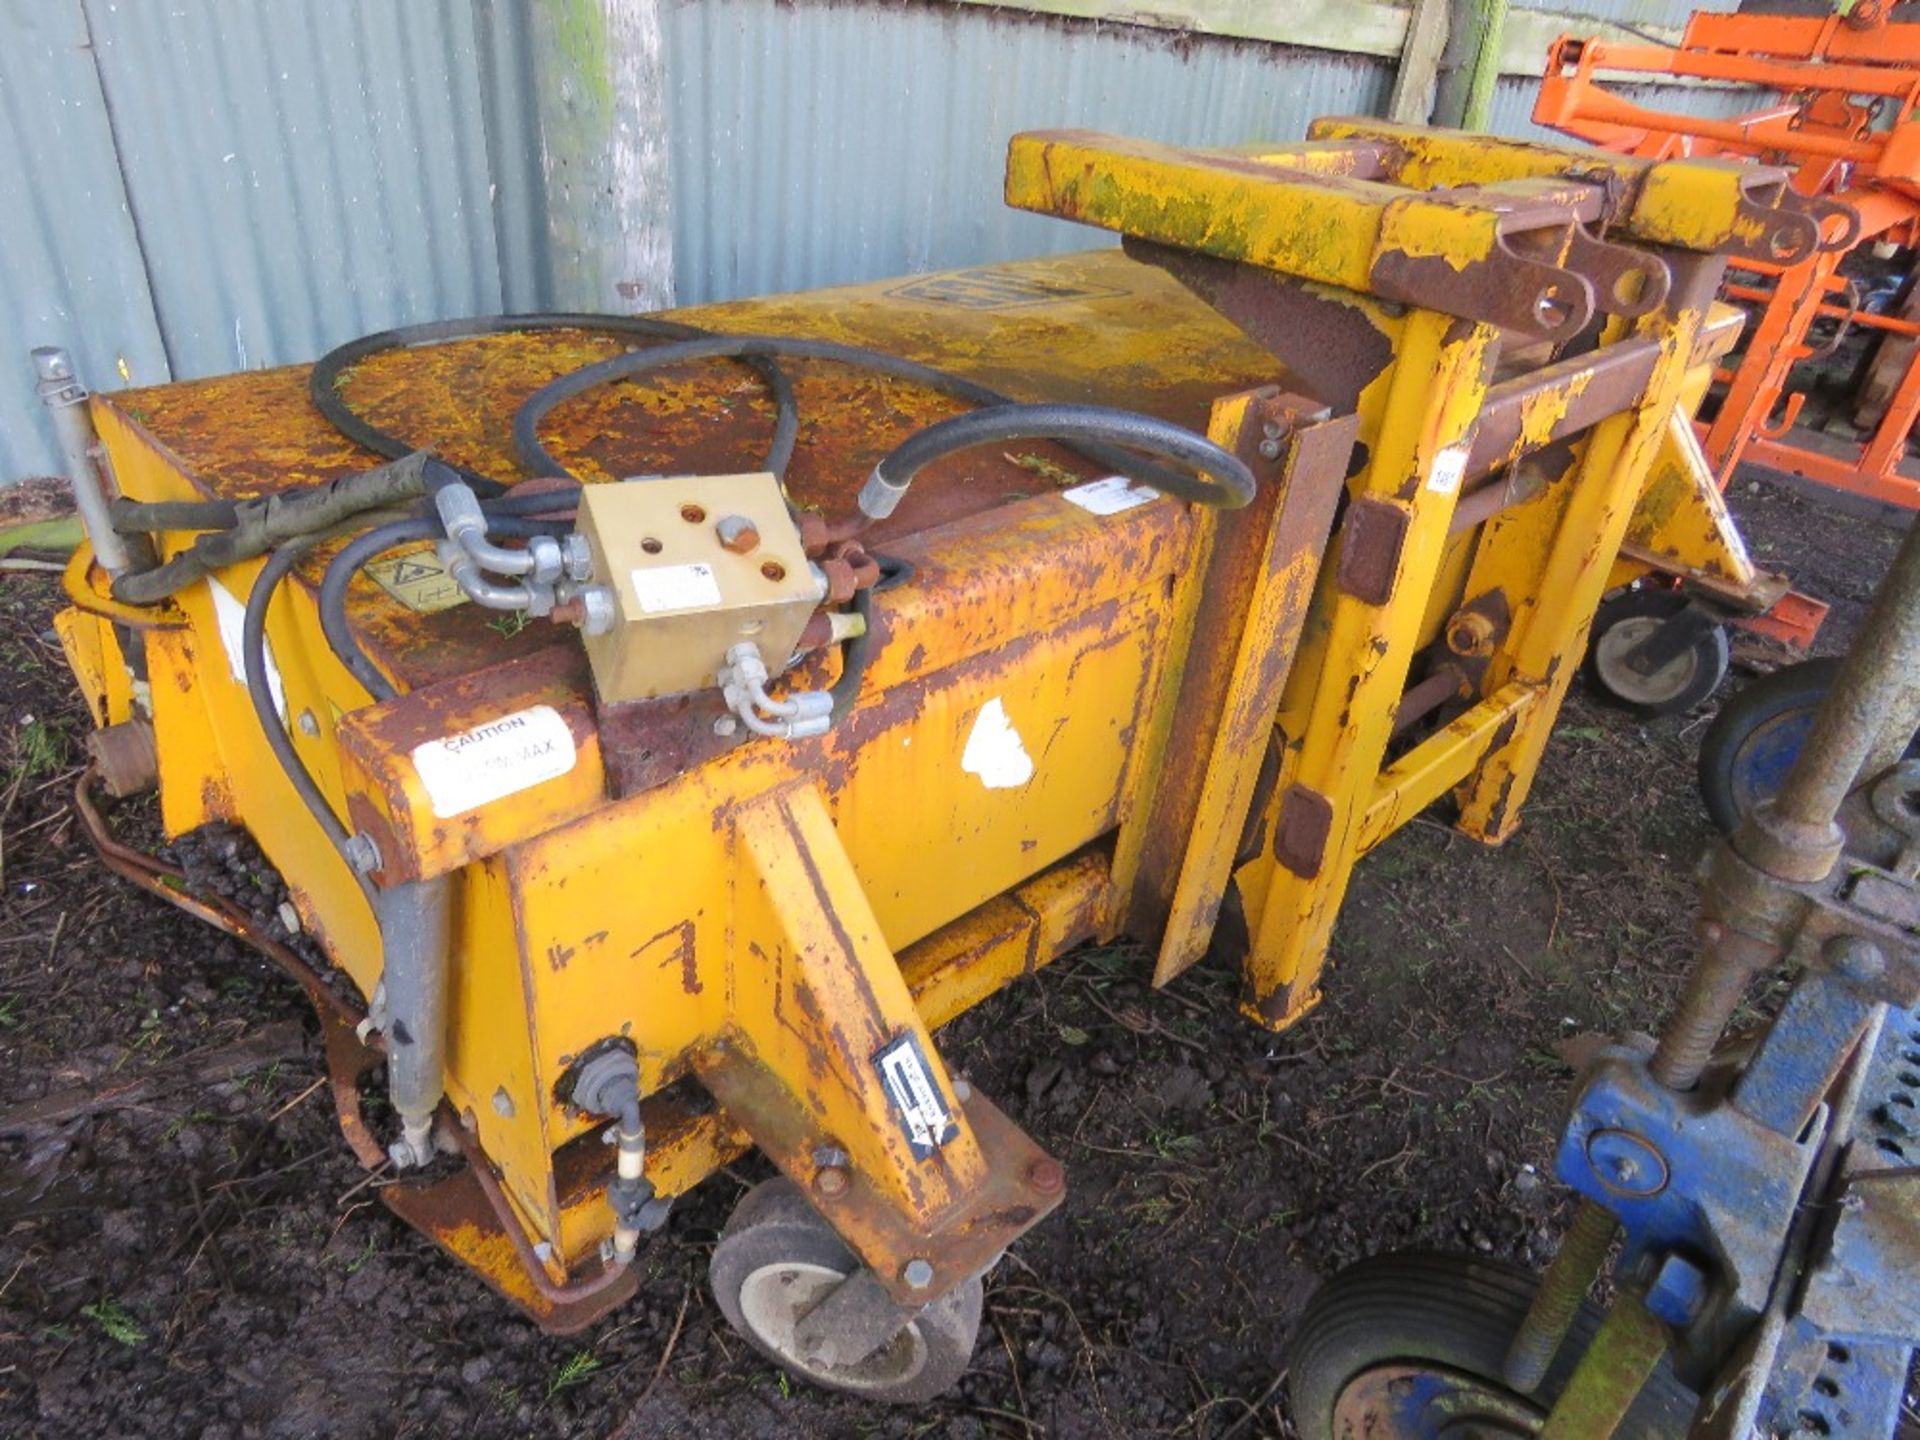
(362, 854)
(1470, 633)
(738, 534)
(1855, 958)
(725, 725)
(1270, 447)
(832, 1177)
(1047, 1175)
(309, 726)
(917, 1274)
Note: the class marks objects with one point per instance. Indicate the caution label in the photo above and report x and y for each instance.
(491, 761)
(416, 578)
(908, 1080)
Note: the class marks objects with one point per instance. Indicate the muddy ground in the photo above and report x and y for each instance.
(209, 1260)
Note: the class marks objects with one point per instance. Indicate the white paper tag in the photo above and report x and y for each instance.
(666, 588)
(1449, 468)
(231, 616)
(1109, 496)
(500, 758)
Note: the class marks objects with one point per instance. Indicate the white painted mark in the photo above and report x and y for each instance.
(994, 750)
(1109, 496)
(231, 616)
(500, 758)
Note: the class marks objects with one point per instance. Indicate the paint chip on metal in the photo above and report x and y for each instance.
(1109, 496)
(994, 750)
(491, 761)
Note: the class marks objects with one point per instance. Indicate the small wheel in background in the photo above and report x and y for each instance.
(1754, 740)
(777, 1259)
(1631, 617)
(1410, 1347)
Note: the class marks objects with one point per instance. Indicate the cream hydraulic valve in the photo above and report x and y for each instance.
(691, 577)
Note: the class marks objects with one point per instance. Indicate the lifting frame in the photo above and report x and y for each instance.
(1836, 78)
(1462, 374)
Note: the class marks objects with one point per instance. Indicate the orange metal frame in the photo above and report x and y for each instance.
(1841, 79)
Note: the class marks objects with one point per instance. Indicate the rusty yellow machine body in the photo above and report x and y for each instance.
(1460, 370)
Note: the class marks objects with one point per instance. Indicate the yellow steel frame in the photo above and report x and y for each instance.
(802, 906)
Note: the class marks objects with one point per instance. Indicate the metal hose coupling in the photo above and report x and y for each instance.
(608, 1083)
(534, 575)
(743, 685)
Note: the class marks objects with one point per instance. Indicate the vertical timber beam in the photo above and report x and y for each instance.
(1336, 723)
(1552, 556)
(600, 83)
(1419, 70)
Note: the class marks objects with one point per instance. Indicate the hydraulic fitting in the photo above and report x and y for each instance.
(608, 1083)
(743, 684)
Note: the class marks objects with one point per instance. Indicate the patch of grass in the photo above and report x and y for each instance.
(116, 1321)
(509, 624)
(10, 1012)
(1046, 469)
(577, 1370)
(181, 1122)
(39, 748)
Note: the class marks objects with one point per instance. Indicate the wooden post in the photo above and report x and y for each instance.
(1419, 72)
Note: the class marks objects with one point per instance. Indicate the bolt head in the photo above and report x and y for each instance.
(738, 534)
(1047, 1175)
(725, 725)
(1270, 449)
(1854, 957)
(917, 1274)
(831, 1181)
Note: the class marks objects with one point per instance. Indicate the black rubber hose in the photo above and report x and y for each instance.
(333, 595)
(1229, 483)
(253, 652)
(535, 456)
(323, 382)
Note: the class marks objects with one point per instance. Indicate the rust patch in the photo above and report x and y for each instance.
(682, 954)
(1300, 836)
(1370, 543)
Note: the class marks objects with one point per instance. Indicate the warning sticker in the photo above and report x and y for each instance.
(997, 290)
(663, 589)
(909, 1083)
(416, 578)
(1109, 496)
(500, 758)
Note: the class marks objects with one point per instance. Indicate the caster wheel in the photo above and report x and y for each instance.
(1411, 1345)
(777, 1259)
(1753, 741)
(1620, 624)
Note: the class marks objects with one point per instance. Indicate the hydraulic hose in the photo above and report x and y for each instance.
(536, 457)
(324, 383)
(333, 596)
(253, 652)
(1229, 484)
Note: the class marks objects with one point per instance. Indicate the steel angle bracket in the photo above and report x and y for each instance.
(826, 1064)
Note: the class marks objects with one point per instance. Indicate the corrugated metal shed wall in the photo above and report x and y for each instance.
(828, 142)
(202, 185)
(70, 265)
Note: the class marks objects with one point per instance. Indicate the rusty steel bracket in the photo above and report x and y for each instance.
(1019, 1185)
(1519, 284)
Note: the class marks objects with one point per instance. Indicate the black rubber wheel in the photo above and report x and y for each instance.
(777, 1259)
(1754, 740)
(1410, 1345)
(1628, 618)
